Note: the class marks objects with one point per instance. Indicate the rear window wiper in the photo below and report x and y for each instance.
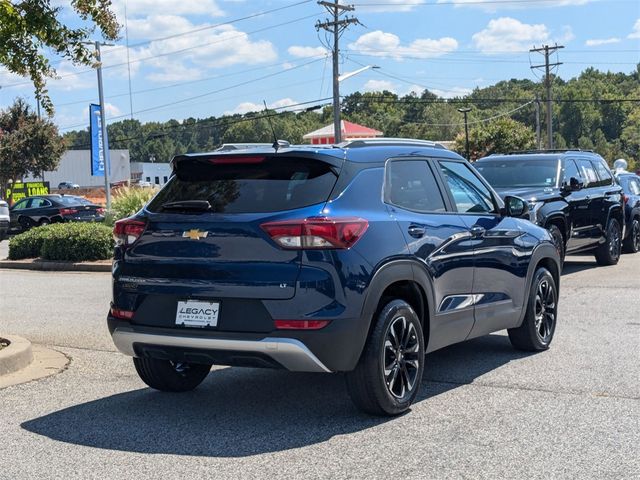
(201, 205)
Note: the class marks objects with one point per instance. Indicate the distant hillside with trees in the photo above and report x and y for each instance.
(597, 110)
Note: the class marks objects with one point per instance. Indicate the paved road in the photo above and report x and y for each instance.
(485, 411)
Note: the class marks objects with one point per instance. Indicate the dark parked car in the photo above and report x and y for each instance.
(630, 183)
(42, 210)
(571, 193)
(68, 185)
(356, 258)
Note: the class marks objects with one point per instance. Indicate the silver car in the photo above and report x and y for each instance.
(4, 219)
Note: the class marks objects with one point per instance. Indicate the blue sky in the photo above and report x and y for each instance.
(448, 46)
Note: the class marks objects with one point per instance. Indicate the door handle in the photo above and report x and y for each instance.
(478, 231)
(416, 231)
(588, 197)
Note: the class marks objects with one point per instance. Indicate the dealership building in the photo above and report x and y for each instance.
(75, 167)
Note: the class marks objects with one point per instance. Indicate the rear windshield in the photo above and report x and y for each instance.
(269, 186)
(71, 200)
(512, 173)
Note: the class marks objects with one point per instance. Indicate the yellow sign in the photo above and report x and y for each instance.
(20, 190)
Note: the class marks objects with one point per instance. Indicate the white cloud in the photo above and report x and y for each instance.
(393, 6)
(110, 110)
(9, 78)
(451, 92)
(154, 26)
(306, 52)
(384, 44)
(635, 32)
(379, 86)
(507, 34)
(601, 41)
(246, 107)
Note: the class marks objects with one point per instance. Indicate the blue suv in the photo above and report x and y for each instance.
(357, 258)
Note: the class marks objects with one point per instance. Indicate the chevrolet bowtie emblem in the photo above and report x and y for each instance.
(194, 234)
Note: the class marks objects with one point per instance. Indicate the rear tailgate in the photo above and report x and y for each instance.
(203, 237)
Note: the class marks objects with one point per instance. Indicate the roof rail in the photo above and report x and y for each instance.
(388, 141)
(549, 150)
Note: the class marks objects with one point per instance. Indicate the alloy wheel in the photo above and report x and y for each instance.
(614, 241)
(635, 232)
(401, 358)
(545, 310)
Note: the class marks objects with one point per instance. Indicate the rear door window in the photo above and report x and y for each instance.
(569, 170)
(634, 186)
(588, 173)
(604, 174)
(410, 184)
(267, 185)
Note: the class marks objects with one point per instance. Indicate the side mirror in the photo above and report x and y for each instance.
(575, 184)
(516, 207)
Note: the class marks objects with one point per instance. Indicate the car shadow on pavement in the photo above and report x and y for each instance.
(242, 412)
(575, 266)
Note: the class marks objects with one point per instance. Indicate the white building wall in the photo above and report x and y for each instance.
(75, 167)
(156, 173)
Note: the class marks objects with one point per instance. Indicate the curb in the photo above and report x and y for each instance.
(47, 265)
(16, 356)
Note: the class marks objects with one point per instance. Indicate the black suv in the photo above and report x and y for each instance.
(571, 193)
(356, 258)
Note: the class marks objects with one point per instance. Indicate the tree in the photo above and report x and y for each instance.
(28, 145)
(27, 27)
(501, 135)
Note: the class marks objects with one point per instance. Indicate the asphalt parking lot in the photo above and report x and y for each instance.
(485, 410)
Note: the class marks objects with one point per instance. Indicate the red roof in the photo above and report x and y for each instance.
(348, 130)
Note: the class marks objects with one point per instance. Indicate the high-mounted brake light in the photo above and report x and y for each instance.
(127, 231)
(316, 232)
(68, 211)
(237, 159)
(300, 324)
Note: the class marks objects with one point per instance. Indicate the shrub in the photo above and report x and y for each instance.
(128, 201)
(64, 242)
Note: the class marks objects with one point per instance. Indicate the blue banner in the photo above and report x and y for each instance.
(97, 151)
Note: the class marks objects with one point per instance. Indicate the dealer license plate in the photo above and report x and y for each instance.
(196, 313)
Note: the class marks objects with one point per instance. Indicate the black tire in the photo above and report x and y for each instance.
(608, 253)
(388, 375)
(44, 221)
(539, 324)
(558, 240)
(169, 376)
(632, 242)
(25, 223)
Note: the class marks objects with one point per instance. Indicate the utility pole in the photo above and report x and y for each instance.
(336, 27)
(546, 50)
(538, 139)
(107, 183)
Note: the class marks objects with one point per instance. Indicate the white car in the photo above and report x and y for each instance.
(4, 219)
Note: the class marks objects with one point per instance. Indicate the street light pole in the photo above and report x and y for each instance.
(465, 111)
(103, 122)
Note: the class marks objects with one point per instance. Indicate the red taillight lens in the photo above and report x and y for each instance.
(123, 314)
(301, 324)
(625, 198)
(100, 211)
(317, 232)
(68, 211)
(237, 159)
(127, 231)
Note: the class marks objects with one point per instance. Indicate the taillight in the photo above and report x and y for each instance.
(68, 211)
(625, 198)
(127, 231)
(100, 211)
(300, 324)
(123, 314)
(316, 232)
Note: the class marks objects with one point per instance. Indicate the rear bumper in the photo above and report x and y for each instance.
(290, 353)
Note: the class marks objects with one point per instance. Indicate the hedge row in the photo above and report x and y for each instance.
(74, 242)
